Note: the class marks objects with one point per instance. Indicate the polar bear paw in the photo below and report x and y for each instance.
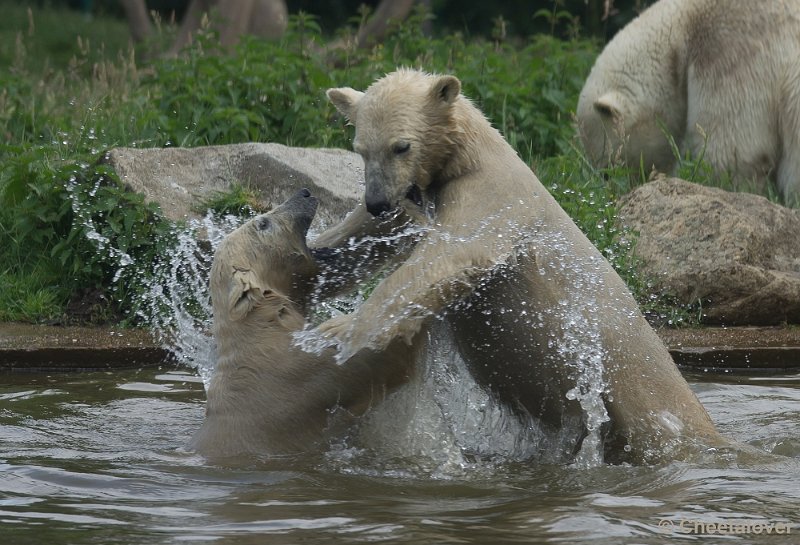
(338, 326)
(344, 331)
(311, 341)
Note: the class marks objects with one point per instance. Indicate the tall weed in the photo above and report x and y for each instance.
(60, 205)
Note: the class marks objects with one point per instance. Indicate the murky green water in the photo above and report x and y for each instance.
(96, 458)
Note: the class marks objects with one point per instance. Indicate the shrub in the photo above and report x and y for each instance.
(74, 224)
(68, 218)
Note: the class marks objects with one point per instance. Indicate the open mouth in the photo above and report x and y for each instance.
(414, 195)
(324, 255)
(306, 206)
(304, 222)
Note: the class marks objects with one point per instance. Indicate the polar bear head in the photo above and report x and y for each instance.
(265, 264)
(632, 109)
(404, 124)
(617, 129)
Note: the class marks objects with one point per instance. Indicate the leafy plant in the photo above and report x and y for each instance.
(69, 227)
(554, 16)
(78, 222)
(589, 196)
(697, 170)
(238, 200)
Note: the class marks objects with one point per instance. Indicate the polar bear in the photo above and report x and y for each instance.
(268, 397)
(720, 78)
(540, 317)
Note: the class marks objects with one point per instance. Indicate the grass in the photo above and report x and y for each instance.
(65, 100)
(238, 200)
(31, 297)
(46, 40)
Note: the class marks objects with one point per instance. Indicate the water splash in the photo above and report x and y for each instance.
(83, 213)
(574, 340)
(445, 417)
(444, 425)
(176, 303)
(580, 343)
(173, 299)
(586, 356)
(309, 339)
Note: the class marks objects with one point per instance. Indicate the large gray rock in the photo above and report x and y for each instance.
(180, 178)
(739, 254)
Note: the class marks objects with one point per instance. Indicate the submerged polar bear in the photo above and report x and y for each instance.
(720, 78)
(266, 395)
(540, 317)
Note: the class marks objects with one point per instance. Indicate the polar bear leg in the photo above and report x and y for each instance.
(788, 175)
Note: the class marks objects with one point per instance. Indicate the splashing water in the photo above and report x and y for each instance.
(176, 303)
(173, 299)
(443, 423)
(83, 213)
(309, 339)
(445, 417)
(580, 344)
(586, 355)
(467, 411)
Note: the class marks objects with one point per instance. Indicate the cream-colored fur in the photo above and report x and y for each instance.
(722, 78)
(267, 396)
(532, 304)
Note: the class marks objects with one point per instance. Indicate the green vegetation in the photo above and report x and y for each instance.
(46, 40)
(238, 200)
(58, 202)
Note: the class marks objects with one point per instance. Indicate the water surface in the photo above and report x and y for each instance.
(98, 458)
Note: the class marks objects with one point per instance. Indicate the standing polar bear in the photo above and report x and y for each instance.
(720, 77)
(267, 396)
(539, 316)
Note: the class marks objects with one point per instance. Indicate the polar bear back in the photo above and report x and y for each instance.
(720, 78)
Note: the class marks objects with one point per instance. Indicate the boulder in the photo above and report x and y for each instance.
(736, 253)
(178, 179)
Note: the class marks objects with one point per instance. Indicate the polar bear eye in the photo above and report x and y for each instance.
(264, 224)
(400, 148)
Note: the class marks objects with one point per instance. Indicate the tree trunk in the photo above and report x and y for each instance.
(190, 24)
(138, 19)
(231, 19)
(387, 13)
(269, 19)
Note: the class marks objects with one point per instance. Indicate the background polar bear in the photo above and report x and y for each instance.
(540, 317)
(727, 70)
(266, 395)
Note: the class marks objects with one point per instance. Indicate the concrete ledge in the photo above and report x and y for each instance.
(35, 348)
(735, 349)
(739, 360)
(81, 359)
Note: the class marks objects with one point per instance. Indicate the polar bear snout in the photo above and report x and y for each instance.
(301, 208)
(379, 204)
(376, 200)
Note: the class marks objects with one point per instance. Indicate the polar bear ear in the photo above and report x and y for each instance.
(345, 100)
(246, 293)
(608, 105)
(243, 293)
(446, 89)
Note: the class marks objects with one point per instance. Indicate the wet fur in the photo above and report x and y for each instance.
(268, 397)
(499, 248)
